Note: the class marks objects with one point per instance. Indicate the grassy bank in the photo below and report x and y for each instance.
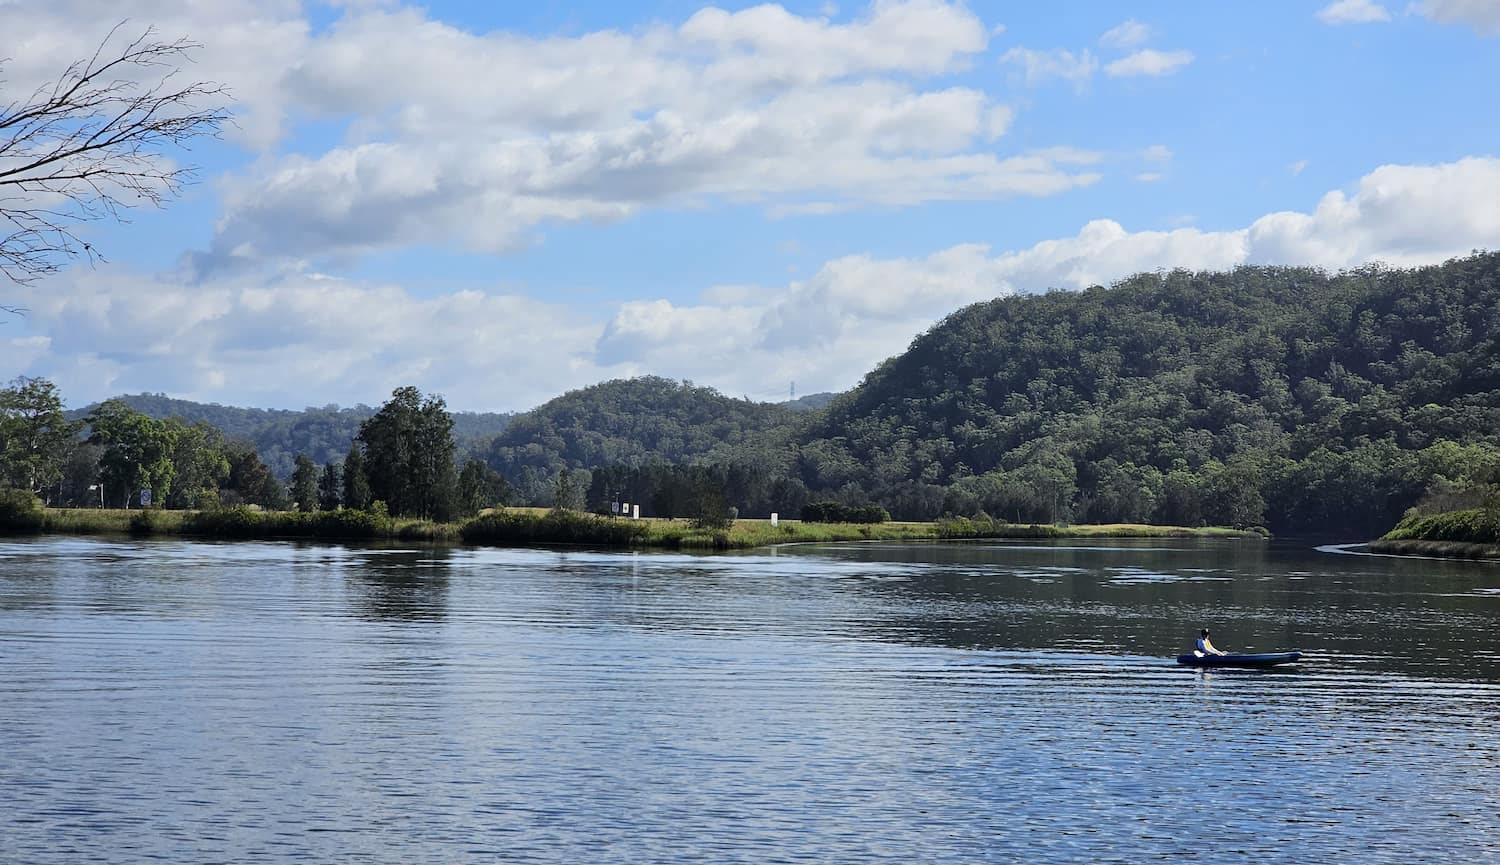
(1439, 549)
(966, 528)
(243, 523)
(1470, 527)
(532, 526)
(1470, 534)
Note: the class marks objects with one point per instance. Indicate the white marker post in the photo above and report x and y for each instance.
(774, 517)
(635, 512)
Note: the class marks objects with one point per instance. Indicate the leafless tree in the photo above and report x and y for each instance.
(94, 143)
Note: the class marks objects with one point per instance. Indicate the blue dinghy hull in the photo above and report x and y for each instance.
(1266, 659)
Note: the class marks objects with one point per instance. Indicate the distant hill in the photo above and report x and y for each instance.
(1312, 400)
(811, 402)
(640, 420)
(324, 434)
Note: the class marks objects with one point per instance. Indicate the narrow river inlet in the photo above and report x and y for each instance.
(949, 703)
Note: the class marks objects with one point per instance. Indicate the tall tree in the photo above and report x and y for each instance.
(329, 497)
(249, 479)
(356, 487)
(305, 484)
(479, 487)
(35, 438)
(200, 460)
(408, 454)
(96, 141)
(137, 452)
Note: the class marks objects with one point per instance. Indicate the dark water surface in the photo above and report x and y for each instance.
(199, 702)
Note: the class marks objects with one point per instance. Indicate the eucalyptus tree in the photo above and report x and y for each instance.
(36, 439)
(137, 452)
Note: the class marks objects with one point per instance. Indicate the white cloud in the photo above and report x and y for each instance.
(1126, 35)
(1353, 12)
(478, 140)
(762, 106)
(1041, 66)
(300, 339)
(1149, 176)
(1149, 61)
(1482, 15)
(1296, 168)
(1401, 214)
(1157, 154)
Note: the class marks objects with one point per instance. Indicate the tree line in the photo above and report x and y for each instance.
(403, 456)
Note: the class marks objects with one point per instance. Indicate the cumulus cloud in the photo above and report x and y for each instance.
(1149, 61)
(478, 140)
(1400, 214)
(1353, 12)
(261, 340)
(243, 338)
(761, 106)
(1482, 15)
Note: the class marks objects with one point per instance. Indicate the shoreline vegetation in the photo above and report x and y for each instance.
(541, 527)
(1465, 534)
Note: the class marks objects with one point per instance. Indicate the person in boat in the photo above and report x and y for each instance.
(1205, 645)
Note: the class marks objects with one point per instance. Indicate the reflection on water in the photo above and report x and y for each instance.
(871, 703)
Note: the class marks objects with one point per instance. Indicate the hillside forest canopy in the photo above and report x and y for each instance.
(1293, 398)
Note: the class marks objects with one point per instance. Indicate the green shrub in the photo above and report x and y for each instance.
(20, 511)
(833, 512)
(146, 521)
(554, 527)
(236, 522)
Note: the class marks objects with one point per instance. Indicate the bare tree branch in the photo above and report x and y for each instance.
(94, 143)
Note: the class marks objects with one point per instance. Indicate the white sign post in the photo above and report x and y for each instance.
(774, 517)
(635, 512)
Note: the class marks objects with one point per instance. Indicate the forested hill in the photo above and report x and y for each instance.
(324, 434)
(636, 421)
(1315, 401)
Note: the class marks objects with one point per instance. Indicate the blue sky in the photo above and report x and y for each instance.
(500, 202)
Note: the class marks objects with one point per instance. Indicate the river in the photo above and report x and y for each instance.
(945, 703)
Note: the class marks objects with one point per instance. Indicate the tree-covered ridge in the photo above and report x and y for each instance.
(631, 422)
(1335, 398)
(278, 435)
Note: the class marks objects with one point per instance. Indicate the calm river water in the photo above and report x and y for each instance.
(276, 702)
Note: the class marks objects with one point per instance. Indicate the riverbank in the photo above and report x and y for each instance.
(1440, 549)
(1468, 534)
(529, 526)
